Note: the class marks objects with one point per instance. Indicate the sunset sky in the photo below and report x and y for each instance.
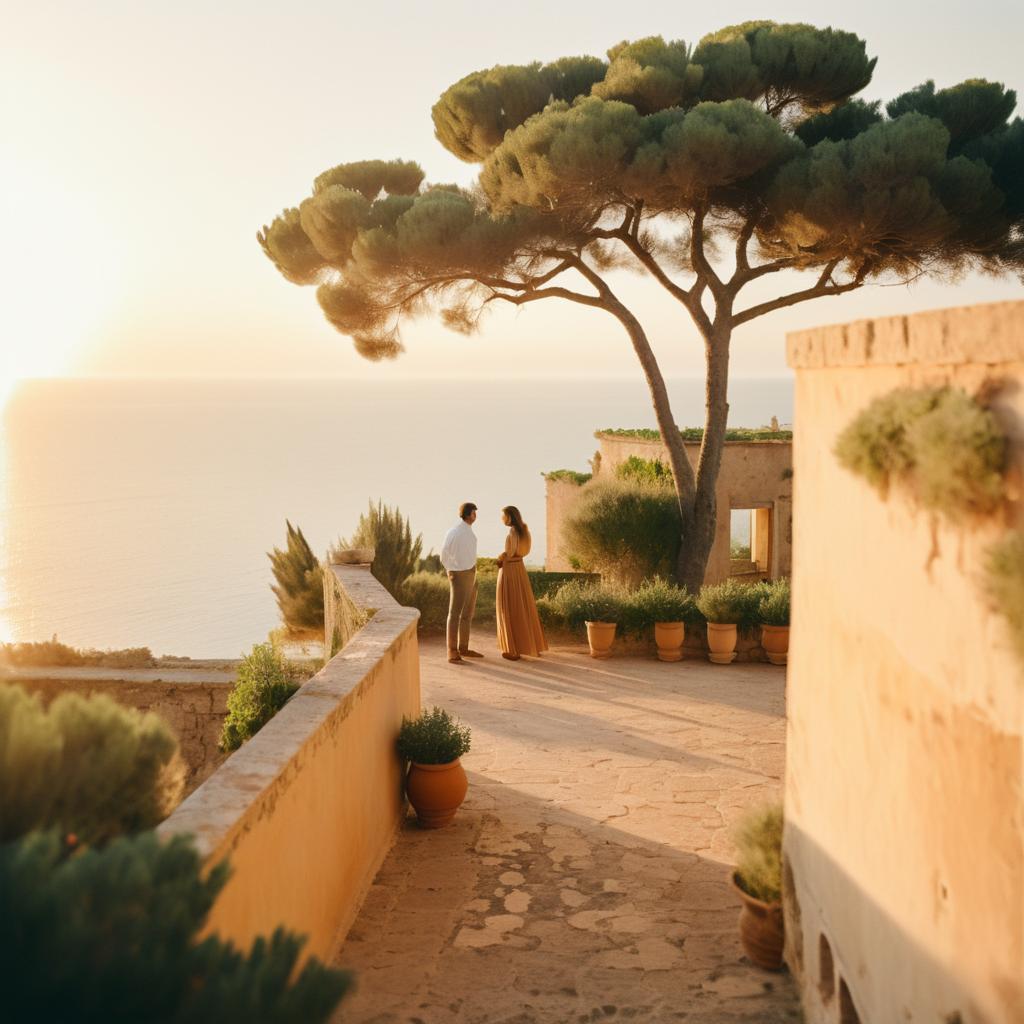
(144, 144)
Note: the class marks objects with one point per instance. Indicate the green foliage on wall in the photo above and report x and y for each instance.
(570, 475)
(697, 434)
(644, 471)
(300, 585)
(624, 530)
(396, 553)
(939, 443)
(52, 653)
(111, 934)
(1004, 582)
(86, 765)
(264, 683)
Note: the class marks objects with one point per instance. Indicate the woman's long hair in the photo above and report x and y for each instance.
(516, 520)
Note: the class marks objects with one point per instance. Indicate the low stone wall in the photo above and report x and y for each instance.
(905, 754)
(192, 701)
(307, 809)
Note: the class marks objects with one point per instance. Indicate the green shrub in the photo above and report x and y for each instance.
(1004, 582)
(576, 603)
(433, 738)
(644, 471)
(773, 606)
(111, 934)
(264, 683)
(939, 442)
(568, 474)
(396, 554)
(758, 839)
(88, 766)
(542, 582)
(730, 602)
(624, 530)
(300, 583)
(697, 434)
(51, 653)
(429, 592)
(432, 563)
(657, 601)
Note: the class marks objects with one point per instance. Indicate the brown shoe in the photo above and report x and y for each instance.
(454, 659)
(470, 654)
(511, 657)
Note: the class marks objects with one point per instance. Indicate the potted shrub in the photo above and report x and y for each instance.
(666, 607)
(598, 606)
(436, 783)
(773, 611)
(727, 607)
(758, 881)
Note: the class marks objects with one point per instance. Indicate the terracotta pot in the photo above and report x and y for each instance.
(436, 791)
(761, 930)
(669, 637)
(721, 642)
(775, 641)
(600, 636)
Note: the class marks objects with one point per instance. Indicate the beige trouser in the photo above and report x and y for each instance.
(461, 606)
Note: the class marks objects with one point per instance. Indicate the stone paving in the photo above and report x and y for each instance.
(585, 877)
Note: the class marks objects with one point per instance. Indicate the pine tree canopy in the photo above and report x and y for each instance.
(752, 134)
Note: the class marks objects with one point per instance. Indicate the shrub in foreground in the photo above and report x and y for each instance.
(773, 603)
(1004, 582)
(111, 935)
(625, 530)
(86, 765)
(576, 603)
(758, 838)
(264, 683)
(433, 738)
(939, 442)
(657, 601)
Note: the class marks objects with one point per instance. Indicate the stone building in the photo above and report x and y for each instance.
(905, 753)
(755, 478)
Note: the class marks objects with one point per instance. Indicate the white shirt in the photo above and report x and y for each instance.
(459, 549)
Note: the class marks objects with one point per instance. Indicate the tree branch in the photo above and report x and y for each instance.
(548, 293)
(822, 287)
(699, 259)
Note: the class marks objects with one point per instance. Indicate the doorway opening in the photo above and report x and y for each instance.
(750, 542)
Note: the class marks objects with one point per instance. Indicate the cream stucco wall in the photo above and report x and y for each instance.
(307, 809)
(904, 806)
(752, 474)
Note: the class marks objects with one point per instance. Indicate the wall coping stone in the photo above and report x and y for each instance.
(250, 781)
(983, 333)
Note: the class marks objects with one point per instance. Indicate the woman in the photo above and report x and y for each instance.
(519, 629)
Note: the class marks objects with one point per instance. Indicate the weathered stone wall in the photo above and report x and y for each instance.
(905, 775)
(192, 702)
(307, 809)
(753, 474)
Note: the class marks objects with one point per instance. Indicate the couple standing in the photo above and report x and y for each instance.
(519, 629)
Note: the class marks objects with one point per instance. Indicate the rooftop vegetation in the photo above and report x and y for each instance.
(568, 474)
(697, 434)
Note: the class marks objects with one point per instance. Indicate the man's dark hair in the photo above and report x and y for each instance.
(466, 508)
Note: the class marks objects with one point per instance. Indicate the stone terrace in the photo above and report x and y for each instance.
(585, 878)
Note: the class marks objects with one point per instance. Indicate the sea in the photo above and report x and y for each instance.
(139, 513)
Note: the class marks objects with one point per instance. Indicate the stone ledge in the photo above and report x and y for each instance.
(985, 333)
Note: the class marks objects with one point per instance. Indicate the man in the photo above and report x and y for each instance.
(458, 556)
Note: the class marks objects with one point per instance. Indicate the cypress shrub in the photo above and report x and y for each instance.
(300, 583)
(110, 934)
(85, 765)
(396, 552)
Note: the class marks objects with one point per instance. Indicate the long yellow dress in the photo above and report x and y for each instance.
(519, 628)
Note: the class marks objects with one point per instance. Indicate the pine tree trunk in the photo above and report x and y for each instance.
(699, 527)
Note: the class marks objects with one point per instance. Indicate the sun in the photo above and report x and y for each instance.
(59, 268)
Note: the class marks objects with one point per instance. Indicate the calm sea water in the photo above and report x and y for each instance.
(139, 513)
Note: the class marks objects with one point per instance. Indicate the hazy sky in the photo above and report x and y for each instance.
(145, 143)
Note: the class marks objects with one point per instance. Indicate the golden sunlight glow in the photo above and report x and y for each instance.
(60, 274)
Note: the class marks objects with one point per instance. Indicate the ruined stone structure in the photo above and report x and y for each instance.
(905, 758)
(755, 475)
